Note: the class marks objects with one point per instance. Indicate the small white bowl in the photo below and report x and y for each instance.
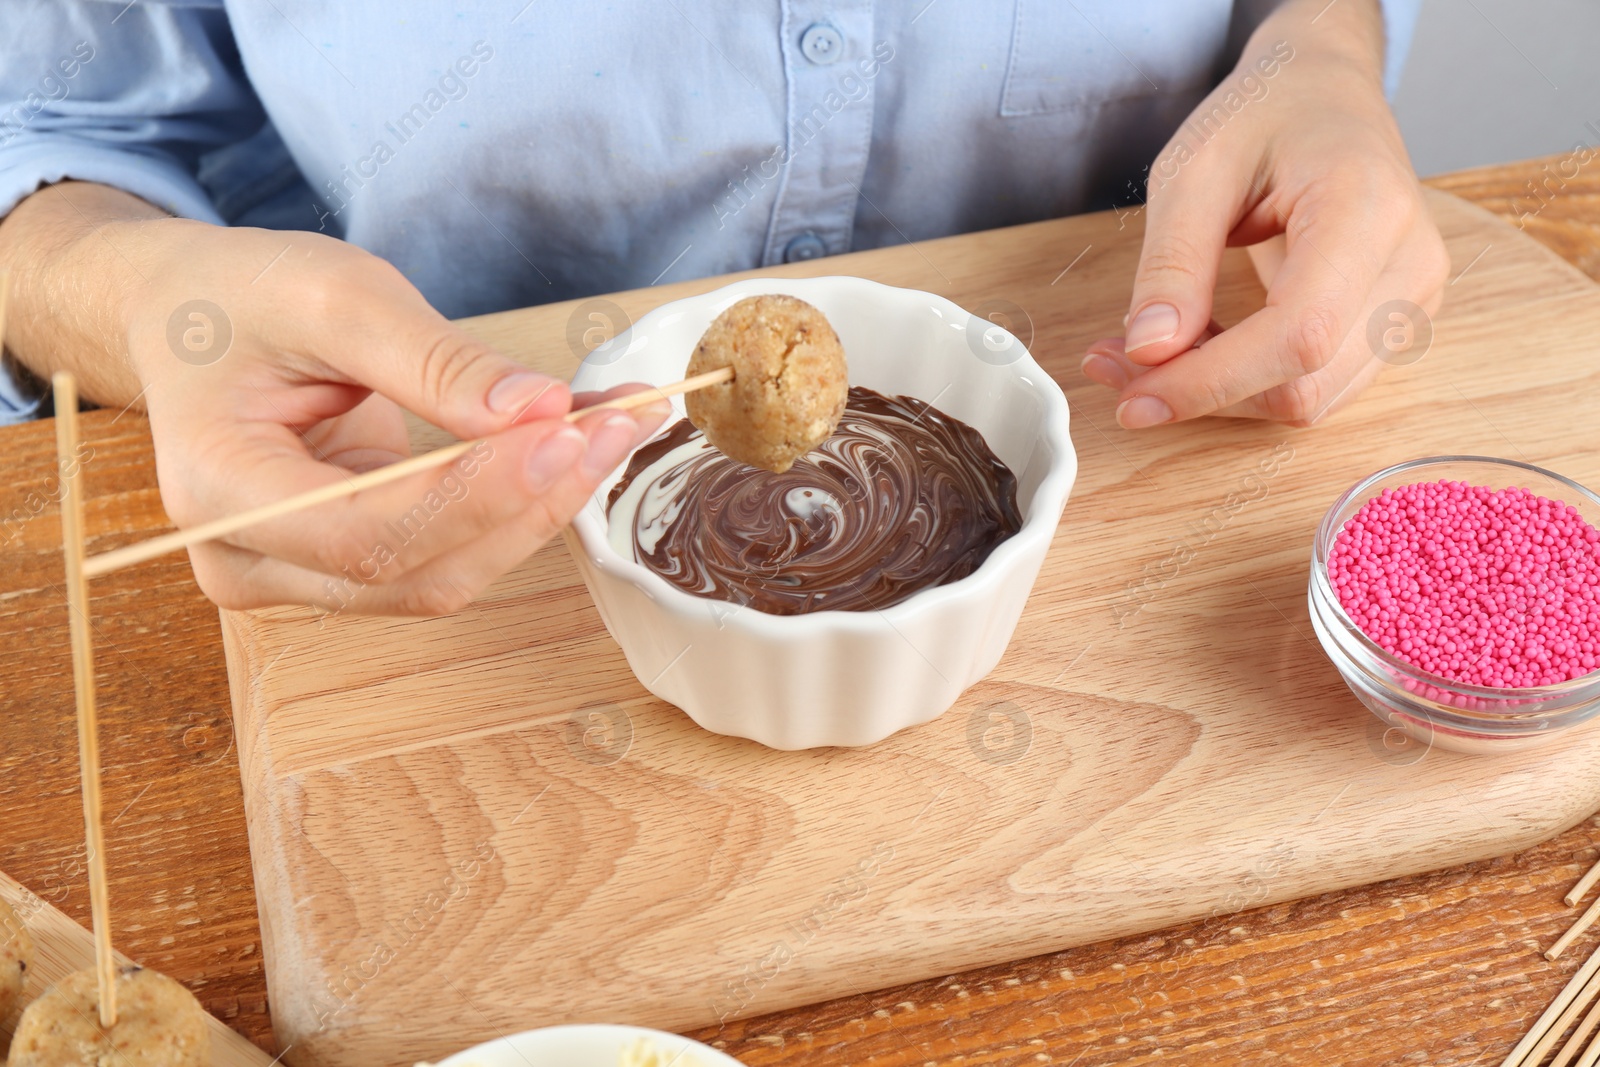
(840, 677)
(587, 1045)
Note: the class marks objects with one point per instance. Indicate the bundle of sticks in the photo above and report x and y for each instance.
(1580, 996)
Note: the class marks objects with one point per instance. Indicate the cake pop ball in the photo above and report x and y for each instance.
(16, 954)
(789, 382)
(159, 1024)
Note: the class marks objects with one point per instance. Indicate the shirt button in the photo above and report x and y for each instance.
(806, 246)
(822, 44)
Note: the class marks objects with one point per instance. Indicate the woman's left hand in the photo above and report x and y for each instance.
(1297, 141)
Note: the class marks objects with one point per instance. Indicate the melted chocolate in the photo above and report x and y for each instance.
(900, 498)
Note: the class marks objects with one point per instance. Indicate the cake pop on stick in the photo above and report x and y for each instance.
(102, 1015)
(789, 385)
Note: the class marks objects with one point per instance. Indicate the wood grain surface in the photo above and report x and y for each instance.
(1166, 739)
(1441, 968)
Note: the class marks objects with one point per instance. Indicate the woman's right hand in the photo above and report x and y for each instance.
(275, 362)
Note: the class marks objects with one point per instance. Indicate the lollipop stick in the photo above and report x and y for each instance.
(1574, 1044)
(66, 398)
(1569, 992)
(1580, 1003)
(1585, 884)
(1586, 920)
(5, 303)
(1590, 1055)
(645, 396)
(118, 558)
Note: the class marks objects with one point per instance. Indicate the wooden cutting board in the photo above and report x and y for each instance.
(480, 824)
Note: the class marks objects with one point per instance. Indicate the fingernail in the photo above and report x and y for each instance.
(1103, 370)
(1137, 412)
(554, 457)
(1156, 323)
(612, 440)
(518, 392)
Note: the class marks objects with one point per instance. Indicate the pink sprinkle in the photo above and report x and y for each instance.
(1486, 587)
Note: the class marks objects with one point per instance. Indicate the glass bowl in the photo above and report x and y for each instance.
(1436, 711)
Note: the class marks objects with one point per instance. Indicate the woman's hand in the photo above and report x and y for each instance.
(272, 363)
(1297, 141)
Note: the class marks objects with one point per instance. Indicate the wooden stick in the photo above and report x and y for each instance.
(118, 558)
(1585, 884)
(66, 401)
(1585, 921)
(645, 396)
(5, 305)
(1590, 967)
(1590, 1056)
(1579, 1036)
(1548, 1040)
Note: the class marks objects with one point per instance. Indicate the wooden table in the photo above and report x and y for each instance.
(1438, 969)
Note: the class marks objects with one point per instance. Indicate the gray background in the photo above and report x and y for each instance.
(1490, 81)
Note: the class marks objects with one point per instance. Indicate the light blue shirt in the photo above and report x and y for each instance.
(516, 153)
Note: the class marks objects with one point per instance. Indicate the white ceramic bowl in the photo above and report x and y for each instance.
(840, 677)
(589, 1045)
